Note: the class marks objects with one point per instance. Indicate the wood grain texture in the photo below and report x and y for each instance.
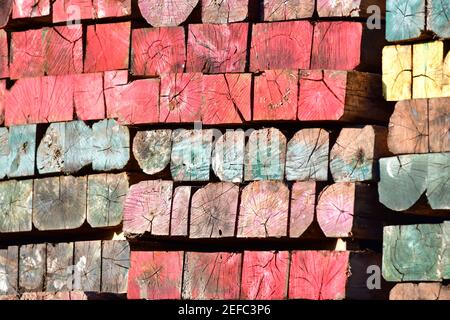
(9, 271)
(105, 199)
(438, 180)
(67, 10)
(179, 218)
(263, 211)
(265, 275)
(22, 149)
(32, 265)
(147, 208)
(228, 156)
(226, 11)
(427, 69)
(59, 203)
(59, 267)
(16, 205)
(438, 21)
(397, 72)
(4, 57)
(155, 275)
(219, 279)
(281, 45)
(265, 155)
(352, 8)
(89, 102)
(115, 266)
(4, 152)
(307, 155)
(214, 48)
(302, 207)
(439, 124)
(277, 10)
(404, 20)
(214, 211)
(420, 291)
(157, 50)
(87, 266)
(152, 150)
(5, 12)
(166, 13)
(191, 155)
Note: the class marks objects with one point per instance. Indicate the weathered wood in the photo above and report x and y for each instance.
(115, 265)
(228, 156)
(438, 180)
(265, 275)
(66, 147)
(281, 45)
(420, 291)
(22, 149)
(105, 199)
(38, 296)
(16, 205)
(344, 8)
(166, 13)
(4, 152)
(346, 96)
(107, 47)
(87, 266)
(180, 97)
(111, 145)
(4, 63)
(226, 11)
(414, 253)
(408, 127)
(32, 261)
(354, 156)
(265, 155)
(263, 210)
(89, 102)
(30, 8)
(303, 202)
(59, 267)
(226, 98)
(427, 69)
(9, 271)
(404, 20)
(180, 211)
(217, 48)
(219, 277)
(350, 210)
(307, 155)
(147, 208)
(446, 76)
(191, 155)
(155, 275)
(403, 179)
(277, 10)
(27, 56)
(68, 10)
(275, 95)
(5, 12)
(59, 203)
(132, 102)
(439, 124)
(214, 211)
(157, 50)
(397, 72)
(152, 150)
(438, 21)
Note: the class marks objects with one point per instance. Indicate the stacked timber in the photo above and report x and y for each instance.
(414, 179)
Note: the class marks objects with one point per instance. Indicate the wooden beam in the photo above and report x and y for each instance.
(147, 208)
(166, 13)
(4, 57)
(265, 155)
(277, 10)
(152, 150)
(427, 69)
(105, 199)
(191, 155)
(67, 10)
(420, 291)
(111, 145)
(219, 279)
(439, 124)
(107, 47)
(397, 72)
(5, 12)
(179, 219)
(281, 45)
(27, 56)
(275, 95)
(55, 204)
(438, 13)
(228, 156)
(354, 156)
(344, 8)
(4, 152)
(404, 20)
(263, 210)
(227, 11)
(302, 207)
(438, 181)
(350, 210)
(265, 275)
(16, 205)
(214, 211)
(32, 262)
(9, 271)
(217, 48)
(59, 267)
(414, 252)
(180, 97)
(89, 102)
(155, 275)
(155, 51)
(307, 155)
(226, 98)
(22, 149)
(87, 266)
(115, 265)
